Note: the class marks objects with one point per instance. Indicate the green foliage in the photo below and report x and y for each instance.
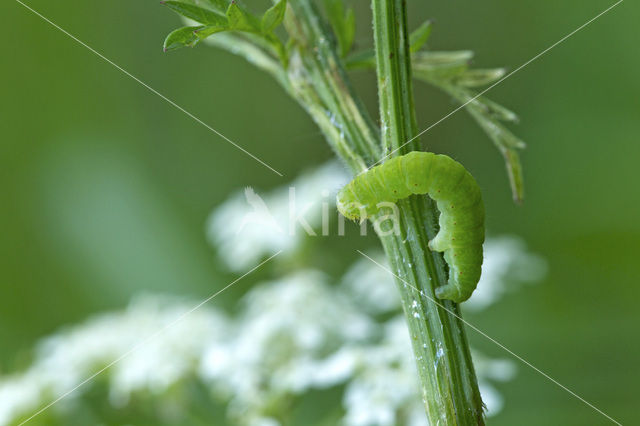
(197, 13)
(220, 16)
(447, 70)
(440, 65)
(450, 72)
(343, 24)
(185, 36)
(480, 77)
(273, 17)
(205, 32)
(361, 60)
(219, 6)
(241, 20)
(418, 38)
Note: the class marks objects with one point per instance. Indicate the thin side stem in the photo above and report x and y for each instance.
(326, 74)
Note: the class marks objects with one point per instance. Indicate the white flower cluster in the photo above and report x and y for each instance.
(69, 357)
(285, 337)
(297, 334)
(290, 336)
(250, 226)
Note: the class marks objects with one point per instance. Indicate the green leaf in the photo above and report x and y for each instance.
(335, 13)
(343, 24)
(511, 140)
(480, 77)
(442, 59)
(241, 20)
(273, 16)
(498, 111)
(419, 36)
(503, 136)
(440, 65)
(219, 6)
(482, 111)
(196, 13)
(348, 31)
(487, 114)
(205, 32)
(506, 142)
(181, 37)
(514, 170)
(363, 59)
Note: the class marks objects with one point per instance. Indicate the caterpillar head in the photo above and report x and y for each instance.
(347, 207)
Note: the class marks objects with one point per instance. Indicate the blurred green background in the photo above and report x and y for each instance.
(105, 187)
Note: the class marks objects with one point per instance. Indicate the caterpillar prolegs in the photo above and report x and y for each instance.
(457, 196)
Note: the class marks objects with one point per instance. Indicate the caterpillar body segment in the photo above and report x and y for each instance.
(457, 196)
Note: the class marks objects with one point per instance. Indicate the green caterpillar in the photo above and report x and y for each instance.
(457, 196)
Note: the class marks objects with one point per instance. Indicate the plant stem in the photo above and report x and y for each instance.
(316, 78)
(320, 70)
(449, 385)
(393, 69)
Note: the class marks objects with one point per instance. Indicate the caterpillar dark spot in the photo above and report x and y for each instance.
(449, 184)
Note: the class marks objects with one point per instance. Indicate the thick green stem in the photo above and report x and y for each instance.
(393, 69)
(449, 385)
